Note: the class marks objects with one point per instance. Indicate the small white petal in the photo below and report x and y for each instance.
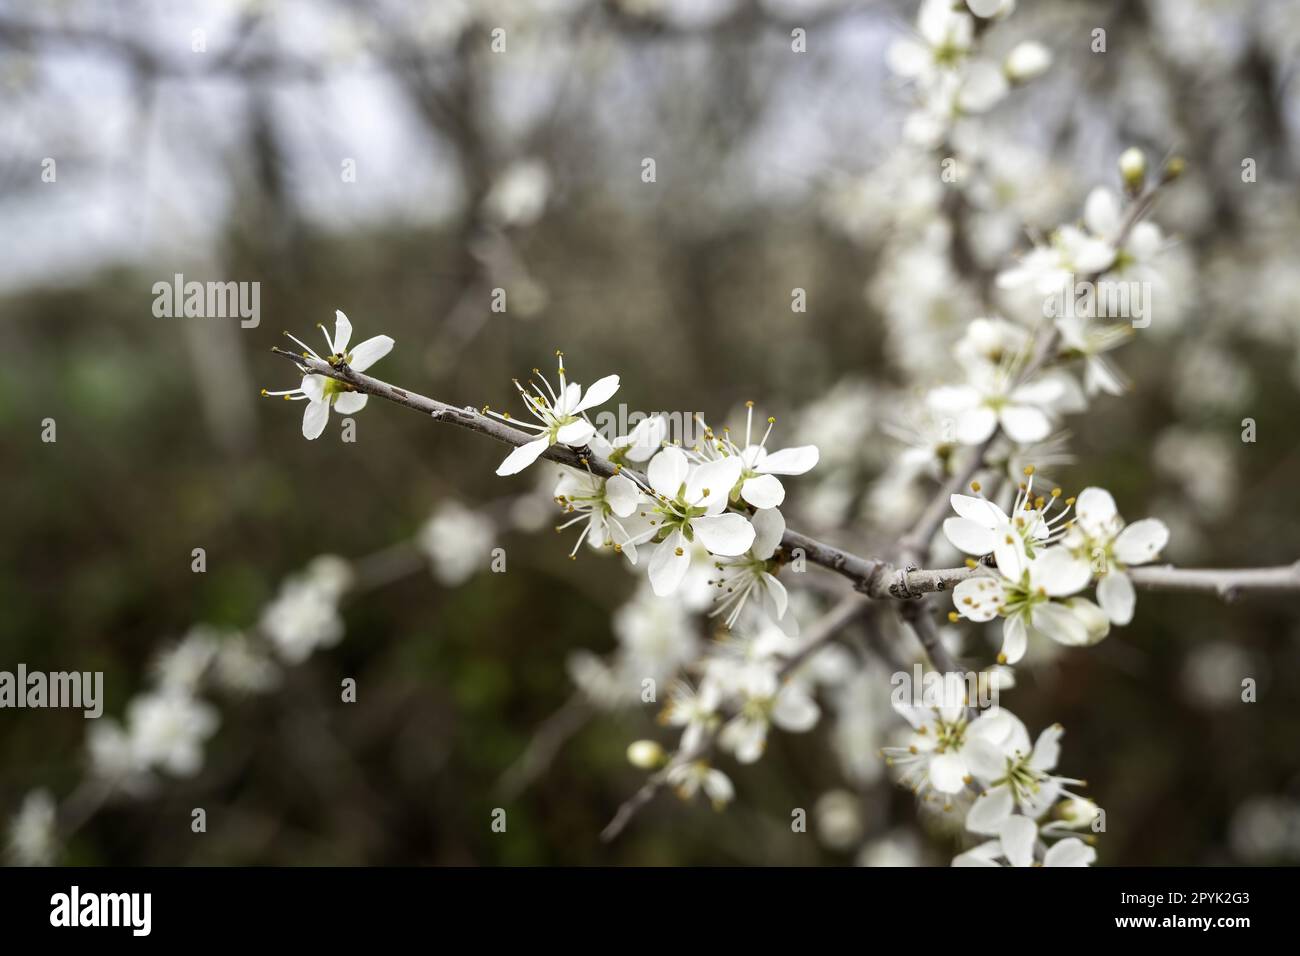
(369, 352)
(769, 528)
(990, 809)
(1025, 423)
(709, 485)
(1047, 748)
(948, 773)
(350, 402)
(1101, 213)
(794, 710)
(790, 461)
(1116, 596)
(968, 537)
(667, 566)
(342, 332)
(1015, 639)
(313, 386)
(1060, 624)
(975, 425)
(598, 393)
(1141, 541)
(314, 418)
(985, 594)
(667, 471)
(1070, 852)
(1059, 572)
(1018, 835)
(576, 433)
(765, 491)
(622, 495)
(1095, 510)
(979, 510)
(727, 535)
(523, 456)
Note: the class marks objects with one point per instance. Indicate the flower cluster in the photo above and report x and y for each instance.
(1043, 559)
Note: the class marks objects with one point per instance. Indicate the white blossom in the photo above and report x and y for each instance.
(322, 392)
(457, 541)
(561, 416)
(1100, 538)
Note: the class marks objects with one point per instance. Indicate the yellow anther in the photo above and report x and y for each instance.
(1056, 492)
(974, 486)
(972, 563)
(1029, 470)
(954, 617)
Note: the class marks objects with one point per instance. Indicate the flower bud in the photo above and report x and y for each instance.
(645, 754)
(1077, 812)
(1173, 169)
(1027, 61)
(1133, 169)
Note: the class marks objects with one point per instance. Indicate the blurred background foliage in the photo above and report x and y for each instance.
(226, 165)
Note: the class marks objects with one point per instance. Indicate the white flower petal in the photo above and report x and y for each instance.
(948, 772)
(1116, 596)
(979, 510)
(727, 535)
(709, 485)
(1094, 618)
(342, 332)
(1095, 511)
(794, 710)
(1047, 748)
(350, 402)
(1025, 423)
(790, 461)
(968, 537)
(990, 809)
(667, 471)
(523, 456)
(667, 565)
(314, 418)
(313, 386)
(1101, 213)
(1070, 852)
(1015, 639)
(369, 352)
(985, 854)
(1141, 541)
(576, 433)
(622, 495)
(1009, 552)
(976, 424)
(764, 491)
(1060, 624)
(769, 528)
(1018, 835)
(1059, 572)
(598, 393)
(978, 598)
